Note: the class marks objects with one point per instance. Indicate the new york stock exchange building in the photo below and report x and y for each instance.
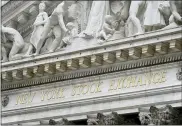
(91, 63)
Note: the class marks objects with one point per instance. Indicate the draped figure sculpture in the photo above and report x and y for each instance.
(119, 15)
(176, 11)
(19, 48)
(39, 23)
(56, 23)
(96, 18)
(136, 12)
(153, 18)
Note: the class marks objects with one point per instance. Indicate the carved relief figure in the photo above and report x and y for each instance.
(153, 18)
(120, 10)
(134, 23)
(19, 48)
(108, 29)
(97, 14)
(56, 23)
(84, 7)
(39, 25)
(72, 32)
(164, 8)
(176, 11)
(48, 41)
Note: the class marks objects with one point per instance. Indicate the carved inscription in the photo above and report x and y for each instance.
(85, 89)
(92, 88)
(138, 80)
(52, 94)
(25, 98)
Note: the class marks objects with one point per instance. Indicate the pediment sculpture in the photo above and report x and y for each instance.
(74, 24)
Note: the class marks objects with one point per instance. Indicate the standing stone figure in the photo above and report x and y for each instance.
(56, 23)
(135, 14)
(39, 25)
(176, 11)
(97, 14)
(19, 49)
(153, 18)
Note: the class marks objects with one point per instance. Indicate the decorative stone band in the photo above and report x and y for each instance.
(147, 48)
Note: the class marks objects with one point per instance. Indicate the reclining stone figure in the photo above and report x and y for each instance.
(19, 48)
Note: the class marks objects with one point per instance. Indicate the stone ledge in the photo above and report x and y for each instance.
(136, 47)
(167, 59)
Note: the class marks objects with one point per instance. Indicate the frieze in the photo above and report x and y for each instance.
(115, 22)
(124, 82)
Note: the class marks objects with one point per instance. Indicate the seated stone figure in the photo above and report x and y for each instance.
(108, 29)
(72, 32)
(19, 48)
(55, 23)
(153, 18)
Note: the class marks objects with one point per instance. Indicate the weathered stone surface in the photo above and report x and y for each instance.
(159, 116)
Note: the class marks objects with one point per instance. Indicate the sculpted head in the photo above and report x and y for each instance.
(108, 19)
(70, 25)
(42, 6)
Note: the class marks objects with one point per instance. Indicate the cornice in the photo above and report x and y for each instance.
(169, 60)
(70, 64)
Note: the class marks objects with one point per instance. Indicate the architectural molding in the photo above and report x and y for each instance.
(79, 60)
(40, 79)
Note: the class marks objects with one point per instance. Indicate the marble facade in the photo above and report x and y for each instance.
(64, 61)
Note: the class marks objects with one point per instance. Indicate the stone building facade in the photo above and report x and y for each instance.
(100, 63)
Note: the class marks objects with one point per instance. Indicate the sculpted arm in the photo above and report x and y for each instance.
(8, 30)
(175, 11)
(106, 27)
